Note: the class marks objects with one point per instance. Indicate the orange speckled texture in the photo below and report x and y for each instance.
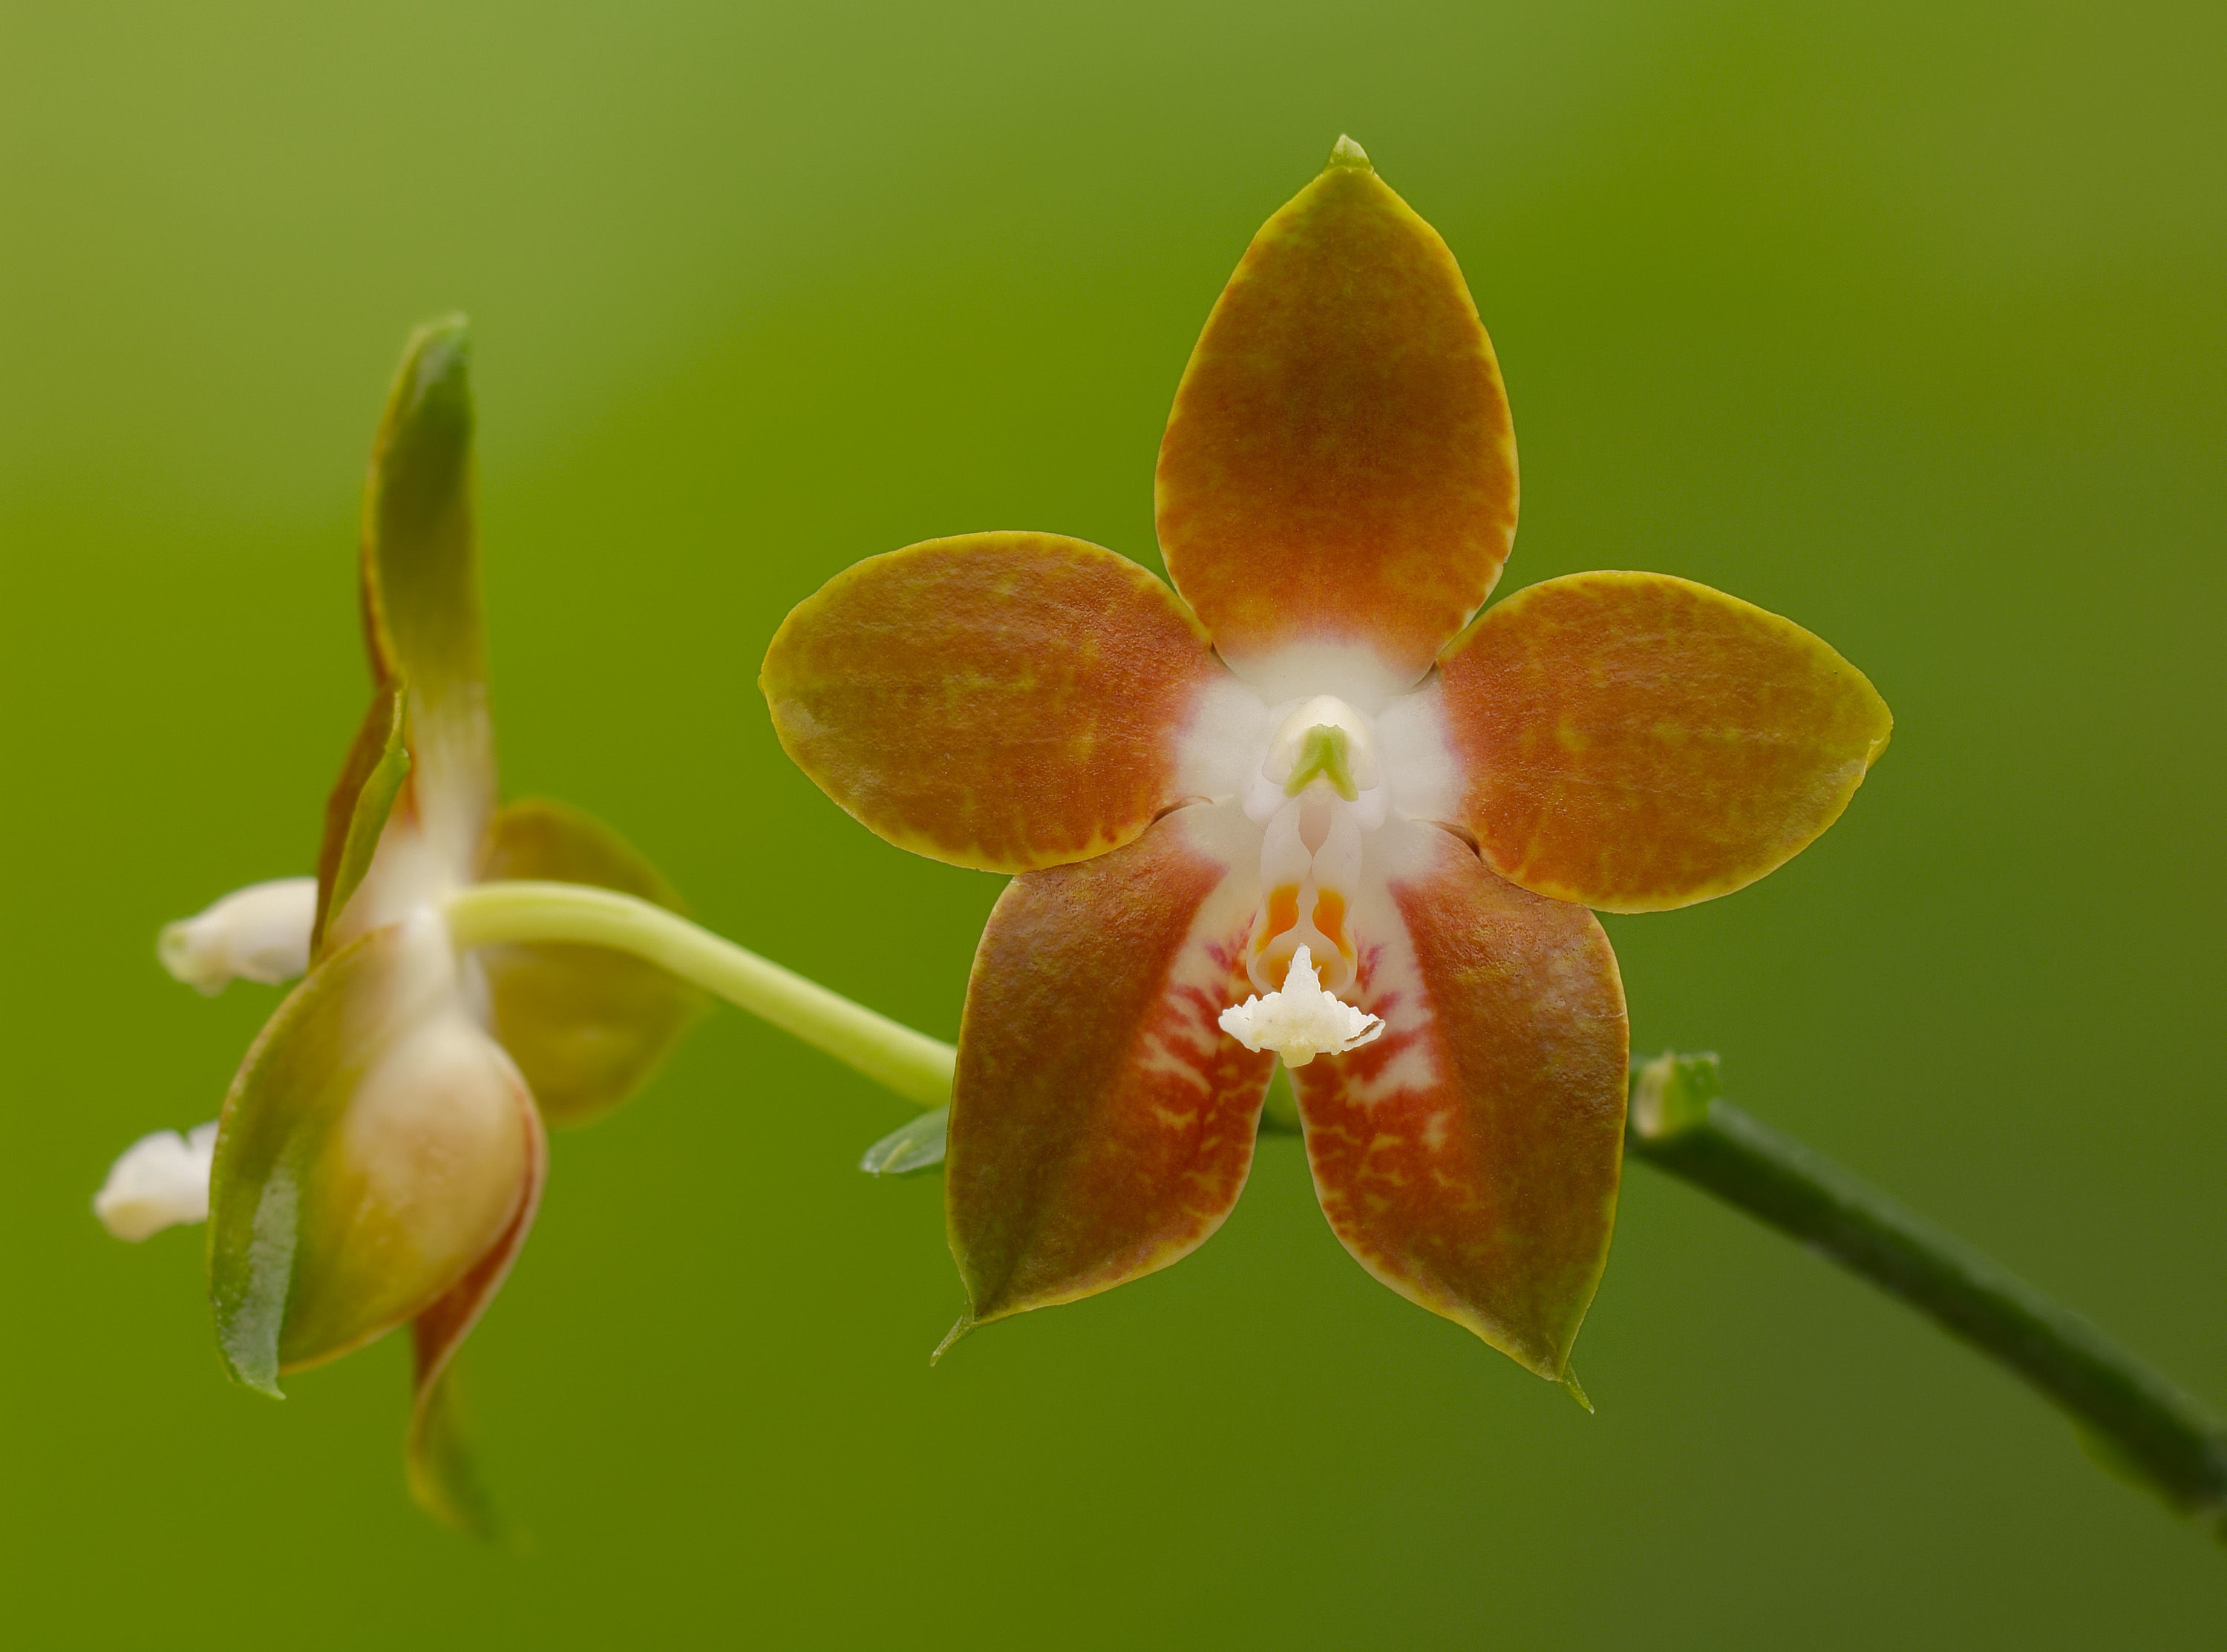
(1339, 466)
(1102, 1124)
(1637, 742)
(1468, 1157)
(1009, 701)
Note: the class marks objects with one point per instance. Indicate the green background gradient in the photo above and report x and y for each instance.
(1905, 321)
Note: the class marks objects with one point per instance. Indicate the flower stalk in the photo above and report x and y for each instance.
(2140, 1420)
(915, 1065)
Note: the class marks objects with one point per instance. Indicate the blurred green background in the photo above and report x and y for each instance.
(1905, 321)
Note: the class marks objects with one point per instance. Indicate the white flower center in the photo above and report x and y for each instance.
(1318, 793)
(1318, 776)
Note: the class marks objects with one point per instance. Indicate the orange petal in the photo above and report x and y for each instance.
(1002, 700)
(1637, 742)
(586, 1025)
(1339, 467)
(437, 1455)
(373, 1149)
(421, 586)
(1102, 1124)
(1468, 1157)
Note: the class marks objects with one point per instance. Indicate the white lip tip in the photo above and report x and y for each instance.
(1301, 1021)
(258, 934)
(160, 1181)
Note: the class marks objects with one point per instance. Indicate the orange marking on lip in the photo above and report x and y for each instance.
(1283, 917)
(1329, 918)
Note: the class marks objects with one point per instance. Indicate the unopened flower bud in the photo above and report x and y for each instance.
(160, 1181)
(258, 934)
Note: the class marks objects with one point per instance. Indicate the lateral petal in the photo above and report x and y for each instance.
(1339, 468)
(1101, 1126)
(374, 1147)
(421, 586)
(1468, 1157)
(586, 1025)
(1008, 701)
(1636, 742)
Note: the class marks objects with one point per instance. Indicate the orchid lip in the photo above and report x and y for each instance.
(1300, 1020)
(258, 934)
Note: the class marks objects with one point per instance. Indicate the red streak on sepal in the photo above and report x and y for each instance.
(1101, 1124)
(1468, 1157)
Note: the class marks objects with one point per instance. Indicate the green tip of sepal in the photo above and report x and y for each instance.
(1349, 154)
(966, 1322)
(428, 416)
(250, 1356)
(249, 1277)
(1671, 1094)
(1573, 1387)
(263, 1380)
(438, 353)
(443, 1472)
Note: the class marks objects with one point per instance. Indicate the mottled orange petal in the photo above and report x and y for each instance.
(1637, 742)
(1340, 467)
(421, 587)
(1468, 1157)
(1101, 1124)
(437, 1454)
(586, 1025)
(1008, 701)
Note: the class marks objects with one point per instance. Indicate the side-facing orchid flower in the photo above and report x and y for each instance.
(1305, 804)
(381, 1153)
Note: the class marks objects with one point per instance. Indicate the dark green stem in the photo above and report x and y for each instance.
(1682, 1125)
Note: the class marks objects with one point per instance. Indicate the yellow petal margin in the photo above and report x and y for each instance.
(1007, 701)
(1635, 743)
(1340, 467)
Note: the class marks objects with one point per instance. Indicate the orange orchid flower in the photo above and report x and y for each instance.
(1305, 805)
(381, 1152)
